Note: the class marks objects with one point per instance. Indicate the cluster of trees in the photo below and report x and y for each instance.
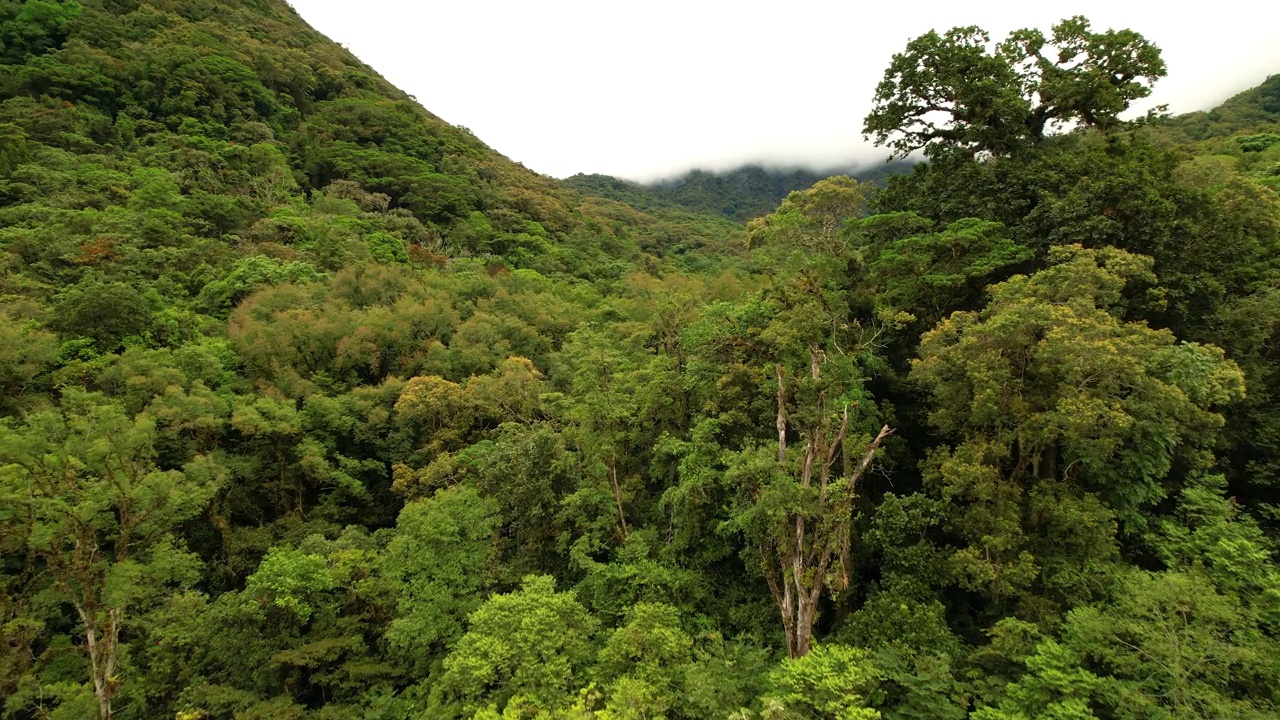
(314, 407)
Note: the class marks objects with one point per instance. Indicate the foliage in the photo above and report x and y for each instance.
(950, 93)
(313, 406)
(1046, 412)
(529, 647)
(84, 499)
(437, 558)
(832, 681)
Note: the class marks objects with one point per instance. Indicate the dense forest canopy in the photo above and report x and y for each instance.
(314, 406)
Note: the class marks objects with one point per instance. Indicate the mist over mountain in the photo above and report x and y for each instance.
(739, 194)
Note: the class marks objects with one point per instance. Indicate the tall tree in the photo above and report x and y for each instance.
(798, 508)
(950, 92)
(97, 518)
(799, 350)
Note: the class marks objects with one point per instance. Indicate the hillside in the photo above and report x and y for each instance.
(1252, 110)
(315, 407)
(246, 110)
(1243, 132)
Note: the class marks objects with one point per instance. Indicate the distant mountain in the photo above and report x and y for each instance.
(740, 194)
(1248, 111)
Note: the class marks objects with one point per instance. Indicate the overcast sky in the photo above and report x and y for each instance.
(648, 89)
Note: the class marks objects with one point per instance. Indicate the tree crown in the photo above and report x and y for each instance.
(955, 92)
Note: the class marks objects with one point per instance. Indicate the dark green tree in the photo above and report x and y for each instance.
(97, 519)
(950, 92)
(1065, 420)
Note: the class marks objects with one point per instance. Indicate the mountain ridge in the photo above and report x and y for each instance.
(743, 193)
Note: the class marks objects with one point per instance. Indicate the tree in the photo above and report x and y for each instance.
(26, 352)
(1054, 686)
(800, 513)
(601, 423)
(437, 559)
(1067, 421)
(813, 219)
(831, 683)
(106, 313)
(96, 517)
(929, 272)
(290, 580)
(1171, 645)
(35, 28)
(532, 646)
(950, 93)
(644, 661)
(787, 368)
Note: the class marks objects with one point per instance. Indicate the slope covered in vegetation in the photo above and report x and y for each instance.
(316, 407)
(1254, 109)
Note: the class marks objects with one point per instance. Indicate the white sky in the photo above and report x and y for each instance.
(648, 89)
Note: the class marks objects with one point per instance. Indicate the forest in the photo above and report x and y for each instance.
(312, 405)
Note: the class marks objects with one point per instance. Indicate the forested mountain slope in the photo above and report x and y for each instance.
(244, 108)
(313, 406)
(1243, 131)
(1254, 109)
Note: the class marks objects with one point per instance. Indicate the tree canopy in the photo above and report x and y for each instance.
(312, 406)
(954, 92)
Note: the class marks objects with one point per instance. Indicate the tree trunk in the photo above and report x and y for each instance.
(617, 495)
(103, 644)
(781, 422)
(797, 566)
(806, 557)
(1049, 462)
